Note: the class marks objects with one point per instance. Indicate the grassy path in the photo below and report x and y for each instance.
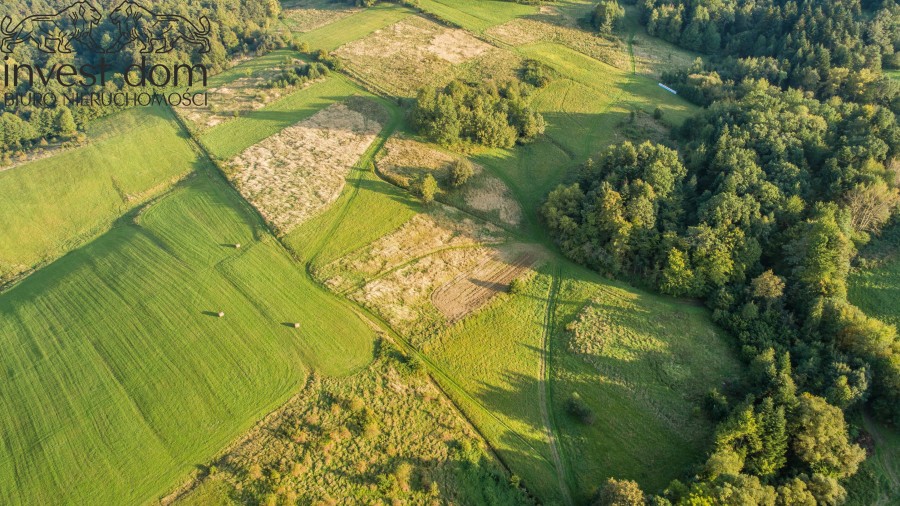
(888, 468)
(547, 417)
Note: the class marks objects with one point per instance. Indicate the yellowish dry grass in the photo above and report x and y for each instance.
(297, 173)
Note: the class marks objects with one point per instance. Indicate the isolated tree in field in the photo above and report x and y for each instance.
(619, 493)
(607, 16)
(460, 172)
(427, 188)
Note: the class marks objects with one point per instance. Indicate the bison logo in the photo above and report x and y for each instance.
(52, 33)
(156, 32)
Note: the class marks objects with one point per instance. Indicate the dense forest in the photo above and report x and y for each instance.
(237, 27)
(792, 166)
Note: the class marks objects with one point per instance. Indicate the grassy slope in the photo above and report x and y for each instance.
(877, 292)
(355, 26)
(495, 357)
(659, 358)
(112, 354)
(878, 480)
(229, 139)
(131, 157)
(477, 15)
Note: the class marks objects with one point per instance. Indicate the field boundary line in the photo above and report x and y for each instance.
(435, 368)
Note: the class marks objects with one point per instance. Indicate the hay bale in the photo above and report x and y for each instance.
(296, 325)
(221, 314)
(237, 246)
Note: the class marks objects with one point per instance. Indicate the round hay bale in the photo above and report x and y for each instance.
(237, 246)
(296, 325)
(221, 314)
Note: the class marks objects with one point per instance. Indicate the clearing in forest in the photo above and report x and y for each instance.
(297, 173)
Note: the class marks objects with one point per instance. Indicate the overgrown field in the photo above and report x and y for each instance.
(115, 353)
(52, 205)
(244, 88)
(386, 434)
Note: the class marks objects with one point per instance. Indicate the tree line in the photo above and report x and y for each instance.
(790, 168)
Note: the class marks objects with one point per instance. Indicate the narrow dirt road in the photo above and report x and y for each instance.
(544, 394)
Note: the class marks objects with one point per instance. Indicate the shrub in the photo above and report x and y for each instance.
(426, 188)
(460, 172)
(537, 74)
(576, 407)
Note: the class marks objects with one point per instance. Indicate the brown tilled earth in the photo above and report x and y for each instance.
(473, 289)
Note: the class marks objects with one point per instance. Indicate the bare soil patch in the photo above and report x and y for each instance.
(297, 173)
(473, 289)
(410, 54)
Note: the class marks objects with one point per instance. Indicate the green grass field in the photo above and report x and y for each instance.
(130, 157)
(644, 367)
(231, 138)
(495, 356)
(877, 291)
(114, 356)
(476, 15)
(355, 26)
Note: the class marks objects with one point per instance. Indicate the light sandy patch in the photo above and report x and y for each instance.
(492, 196)
(443, 228)
(411, 54)
(473, 289)
(457, 46)
(297, 173)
